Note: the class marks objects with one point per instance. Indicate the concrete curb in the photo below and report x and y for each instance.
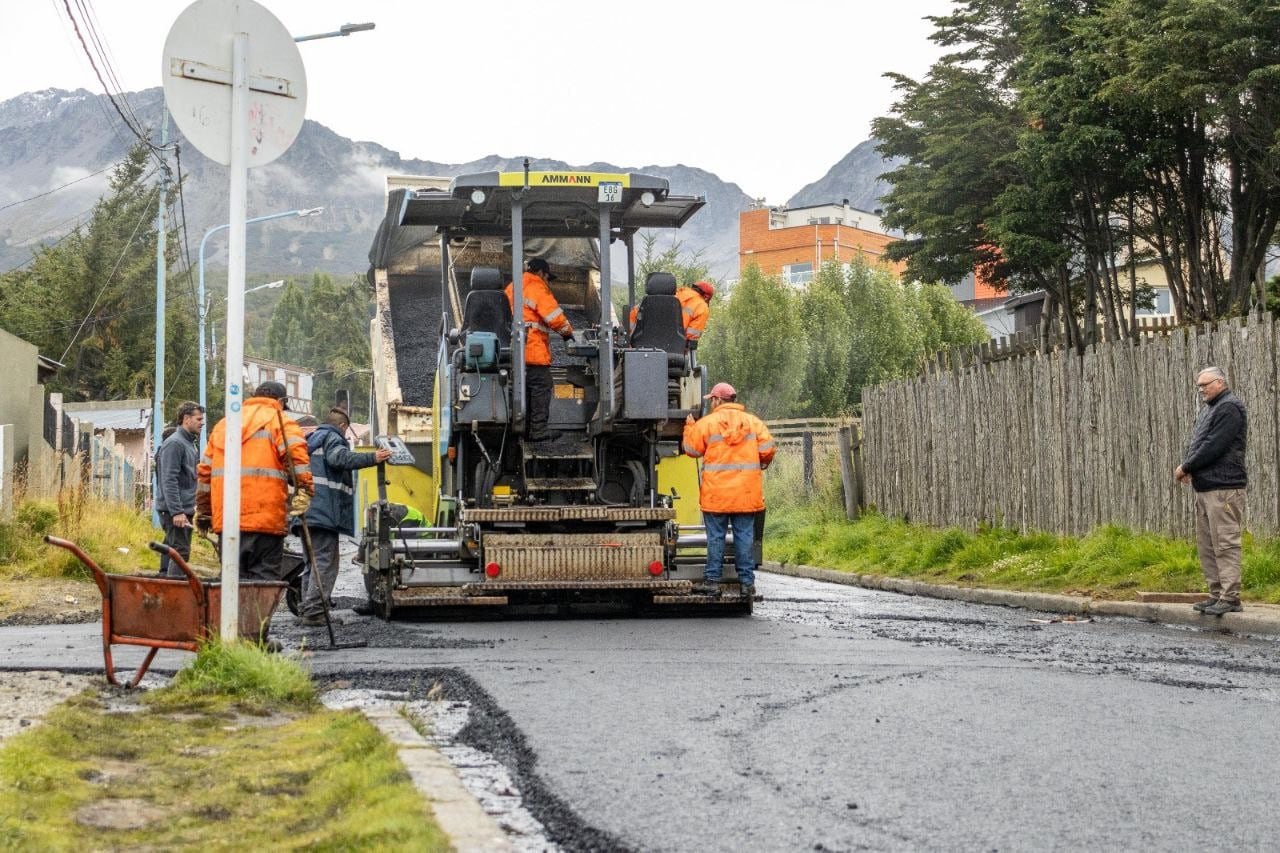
(459, 813)
(1254, 620)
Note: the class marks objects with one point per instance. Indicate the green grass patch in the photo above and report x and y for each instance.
(206, 775)
(113, 534)
(1111, 562)
(239, 672)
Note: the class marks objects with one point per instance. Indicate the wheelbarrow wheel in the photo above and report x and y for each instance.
(293, 600)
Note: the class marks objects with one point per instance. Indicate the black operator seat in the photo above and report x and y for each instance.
(660, 321)
(487, 308)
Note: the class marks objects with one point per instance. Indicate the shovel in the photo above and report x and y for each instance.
(310, 554)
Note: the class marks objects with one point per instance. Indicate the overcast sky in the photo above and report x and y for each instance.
(767, 95)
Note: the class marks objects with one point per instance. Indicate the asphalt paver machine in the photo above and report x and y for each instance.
(605, 512)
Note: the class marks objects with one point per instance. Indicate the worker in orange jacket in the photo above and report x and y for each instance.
(735, 448)
(542, 314)
(695, 309)
(268, 442)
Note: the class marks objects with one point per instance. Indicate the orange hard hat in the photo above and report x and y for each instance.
(705, 289)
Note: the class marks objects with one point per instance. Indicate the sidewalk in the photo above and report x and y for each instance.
(1255, 619)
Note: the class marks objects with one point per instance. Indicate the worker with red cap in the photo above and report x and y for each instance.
(735, 448)
(695, 309)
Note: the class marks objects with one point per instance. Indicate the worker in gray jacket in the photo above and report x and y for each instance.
(332, 510)
(176, 478)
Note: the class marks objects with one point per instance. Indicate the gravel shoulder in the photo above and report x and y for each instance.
(25, 697)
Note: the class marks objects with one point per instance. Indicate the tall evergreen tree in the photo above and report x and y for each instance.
(89, 299)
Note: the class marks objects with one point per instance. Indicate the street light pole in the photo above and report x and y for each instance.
(203, 308)
(344, 30)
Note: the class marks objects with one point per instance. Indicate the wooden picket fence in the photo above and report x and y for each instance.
(1065, 442)
(818, 441)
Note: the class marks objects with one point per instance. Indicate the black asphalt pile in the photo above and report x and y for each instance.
(376, 633)
(415, 325)
(491, 730)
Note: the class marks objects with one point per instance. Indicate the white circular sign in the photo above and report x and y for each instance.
(196, 69)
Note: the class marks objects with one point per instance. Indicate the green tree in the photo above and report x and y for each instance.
(829, 333)
(89, 299)
(285, 339)
(1061, 139)
(756, 342)
(323, 325)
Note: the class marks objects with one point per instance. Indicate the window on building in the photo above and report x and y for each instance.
(1163, 304)
(797, 273)
(291, 385)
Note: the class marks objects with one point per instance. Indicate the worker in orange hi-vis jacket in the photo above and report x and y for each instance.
(542, 314)
(735, 448)
(268, 442)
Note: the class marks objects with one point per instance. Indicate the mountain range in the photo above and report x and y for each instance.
(60, 145)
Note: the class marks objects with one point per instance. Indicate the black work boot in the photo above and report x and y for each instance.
(1222, 607)
(711, 588)
(749, 590)
(1204, 605)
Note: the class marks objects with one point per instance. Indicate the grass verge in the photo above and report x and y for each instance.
(238, 755)
(38, 582)
(1111, 562)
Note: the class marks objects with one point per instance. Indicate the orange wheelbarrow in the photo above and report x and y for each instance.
(167, 613)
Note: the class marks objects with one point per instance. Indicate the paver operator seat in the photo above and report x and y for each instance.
(660, 322)
(486, 320)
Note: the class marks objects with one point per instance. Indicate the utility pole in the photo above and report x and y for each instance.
(157, 404)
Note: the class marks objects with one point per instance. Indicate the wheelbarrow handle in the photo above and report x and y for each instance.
(99, 576)
(193, 580)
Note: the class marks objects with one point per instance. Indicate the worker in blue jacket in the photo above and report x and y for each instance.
(332, 510)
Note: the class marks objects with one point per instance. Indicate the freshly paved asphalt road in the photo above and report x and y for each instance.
(839, 718)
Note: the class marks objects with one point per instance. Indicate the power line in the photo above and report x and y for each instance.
(97, 102)
(55, 189)
(134, 129)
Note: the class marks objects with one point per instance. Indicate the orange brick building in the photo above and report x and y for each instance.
(795, 242)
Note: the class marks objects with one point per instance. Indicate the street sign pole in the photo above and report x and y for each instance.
(243, 116)
(234, 371)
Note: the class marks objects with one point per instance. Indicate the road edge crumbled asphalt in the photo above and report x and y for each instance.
(1252, 620)
(491, 730)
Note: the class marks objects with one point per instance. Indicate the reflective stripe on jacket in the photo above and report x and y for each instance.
(694, 313)
(542, 314)
(332, 462)
(264, 483)
(735, 447)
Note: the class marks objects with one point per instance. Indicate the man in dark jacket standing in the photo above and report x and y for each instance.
(1214, 465)
(332, 510)
(176, 476)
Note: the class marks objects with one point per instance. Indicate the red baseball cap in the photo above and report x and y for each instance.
(723, 390)
(705, 289)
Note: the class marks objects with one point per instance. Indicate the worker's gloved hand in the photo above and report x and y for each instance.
(298, 503)
(567, 334)
(203, 524)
